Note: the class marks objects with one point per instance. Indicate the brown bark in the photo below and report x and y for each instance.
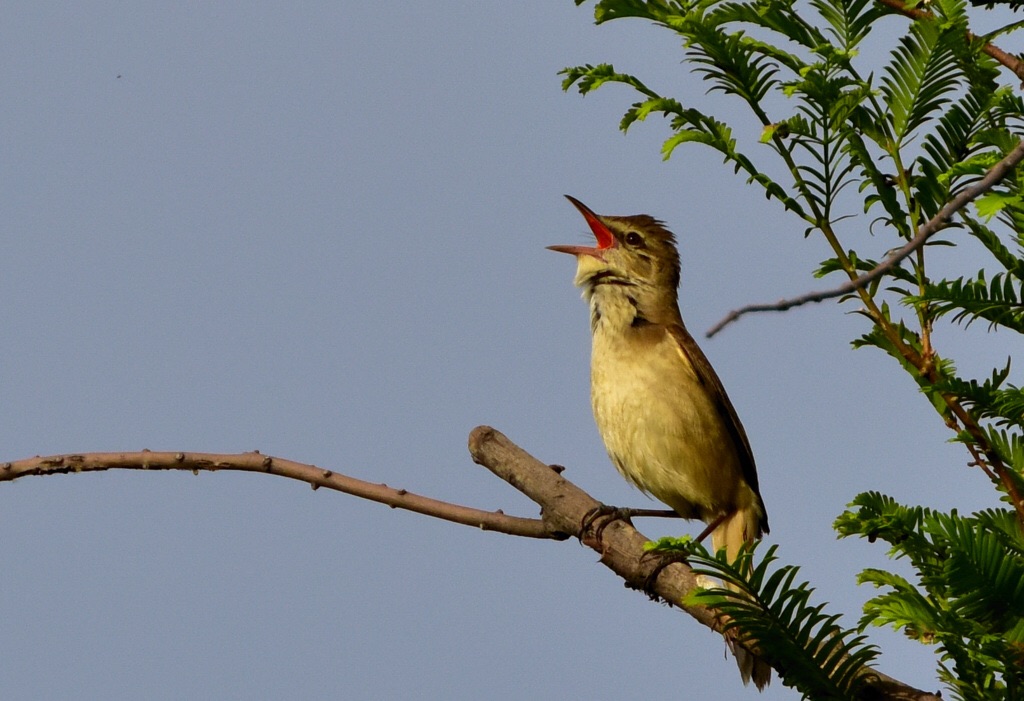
(564, 507)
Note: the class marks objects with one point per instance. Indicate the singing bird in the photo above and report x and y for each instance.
(663, 414)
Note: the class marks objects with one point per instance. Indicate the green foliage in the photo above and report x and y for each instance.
(969, 597)
(989, 399)
(920, 77)
(1000, 302)
(903, 137)
(769, 609)
(689, 125)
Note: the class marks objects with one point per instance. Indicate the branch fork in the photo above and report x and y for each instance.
(563, 509)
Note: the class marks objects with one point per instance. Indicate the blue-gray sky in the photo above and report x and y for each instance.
(318, 230)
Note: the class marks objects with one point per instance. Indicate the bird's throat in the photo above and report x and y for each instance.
(614, 307)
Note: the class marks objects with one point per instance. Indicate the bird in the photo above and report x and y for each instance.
(662, 412)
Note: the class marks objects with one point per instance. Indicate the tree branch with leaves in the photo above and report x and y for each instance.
(930, 147)
(933, 146)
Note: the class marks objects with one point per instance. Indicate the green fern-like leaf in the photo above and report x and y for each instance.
(688, 125)
(849, 21)
(999, 301)
(986, 580)
(588, 78)
(969, 598)
(732, 62)
(902, 607)
(992, 203)
(607, 10)
(1009, 445)
(951, 13)
(768, 607)
(640, 111)
(924, 70)
(778, 16)
(876, 516)
(989, 400)
(827, 98)
(951, 150)
(880, 187)
(1004, 523)
(1013, 264)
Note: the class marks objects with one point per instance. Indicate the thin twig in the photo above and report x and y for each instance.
(315, 476)
(932, 226)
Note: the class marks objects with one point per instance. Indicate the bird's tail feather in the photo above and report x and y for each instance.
(732, 533)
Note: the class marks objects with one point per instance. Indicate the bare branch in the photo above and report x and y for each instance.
(930, 228)
(255, 462)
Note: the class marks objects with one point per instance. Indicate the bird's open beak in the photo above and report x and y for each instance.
(602, 233)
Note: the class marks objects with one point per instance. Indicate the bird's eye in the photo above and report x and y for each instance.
(633, 238)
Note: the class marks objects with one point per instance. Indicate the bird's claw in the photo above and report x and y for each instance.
(664, 560)
(606, 515)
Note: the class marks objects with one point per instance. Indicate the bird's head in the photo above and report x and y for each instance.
(636, 251)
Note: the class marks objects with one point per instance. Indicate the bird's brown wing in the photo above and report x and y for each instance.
(707, 375)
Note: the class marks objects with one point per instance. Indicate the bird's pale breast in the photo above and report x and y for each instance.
(660, 427)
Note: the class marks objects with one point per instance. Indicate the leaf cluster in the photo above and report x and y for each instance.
(968, 599)
(908, 139)
(767, 608)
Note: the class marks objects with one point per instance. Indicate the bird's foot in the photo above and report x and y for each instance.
(666, 551)
(600, 517)
(664, 559)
